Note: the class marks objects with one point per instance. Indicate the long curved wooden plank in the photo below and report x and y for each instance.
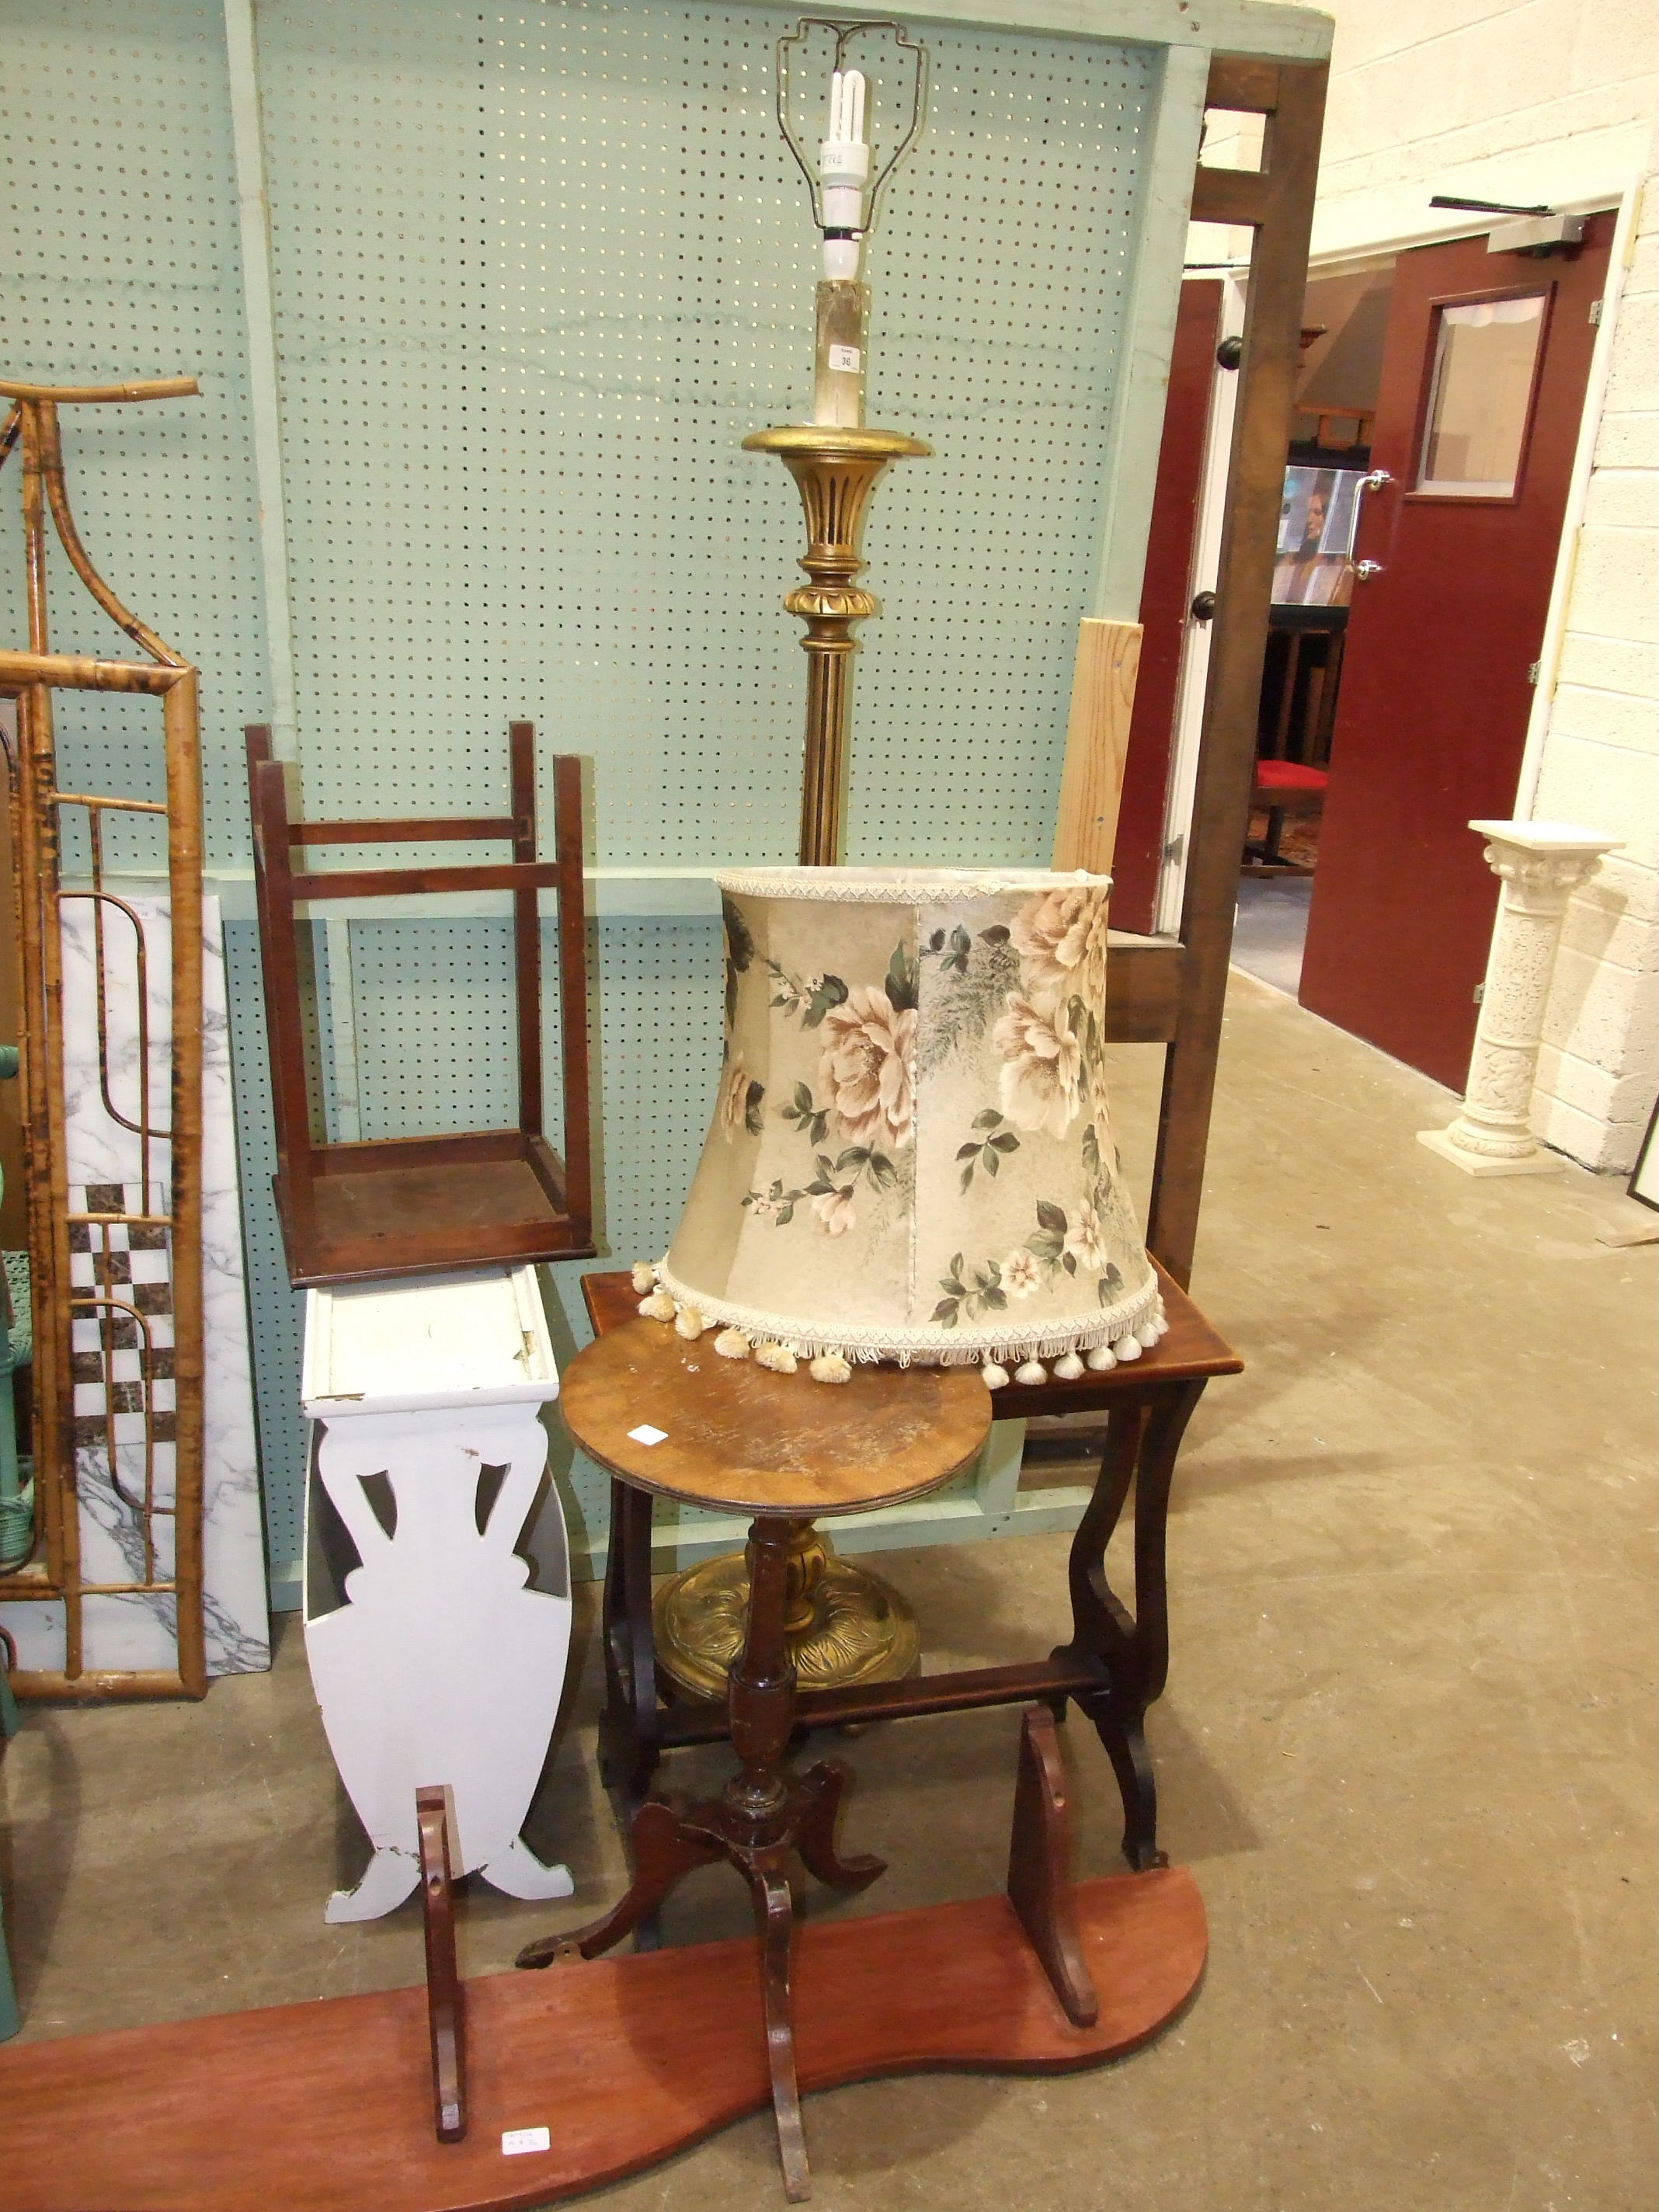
(624, 2061)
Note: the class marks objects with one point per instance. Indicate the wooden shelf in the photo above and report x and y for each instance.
(624, 2061)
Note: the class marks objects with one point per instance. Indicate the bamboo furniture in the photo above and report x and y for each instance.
(10, 2019)
(402, 1205)
(1113, 1665)
(669, 1418)
(169, 1153)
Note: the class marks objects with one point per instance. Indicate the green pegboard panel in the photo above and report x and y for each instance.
(122, 261)
(537, 272)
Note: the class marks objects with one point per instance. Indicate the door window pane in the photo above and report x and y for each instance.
(1483, 359)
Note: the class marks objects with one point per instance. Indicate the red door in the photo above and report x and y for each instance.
(1483, 370)
(1165, 597)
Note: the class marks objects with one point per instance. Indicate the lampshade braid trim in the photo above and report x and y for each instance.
(926, 1348)
(927, 887)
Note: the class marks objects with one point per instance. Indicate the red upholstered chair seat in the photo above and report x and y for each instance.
(1289, 775)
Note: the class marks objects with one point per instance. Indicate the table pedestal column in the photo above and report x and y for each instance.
(1540, 864)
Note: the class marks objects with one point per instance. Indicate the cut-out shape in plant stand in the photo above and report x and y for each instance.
(434, 1660)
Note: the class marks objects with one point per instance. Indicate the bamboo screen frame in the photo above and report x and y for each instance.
(31, 677)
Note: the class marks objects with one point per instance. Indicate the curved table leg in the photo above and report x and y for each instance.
(630, 1725)
(1129, 1652)
(775, 1919)
(1120, 1728)
(668, 1844)
(821, 1789)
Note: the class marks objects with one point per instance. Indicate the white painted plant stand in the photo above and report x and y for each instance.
(433, 1659)
(1540, 865)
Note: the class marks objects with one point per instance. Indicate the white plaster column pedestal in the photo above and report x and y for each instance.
(432, 1658)
(1540, 865)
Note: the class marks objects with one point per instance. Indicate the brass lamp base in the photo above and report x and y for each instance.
(844, 1625)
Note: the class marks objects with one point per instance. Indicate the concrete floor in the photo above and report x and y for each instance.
(1407, 1745)
(1270, 928)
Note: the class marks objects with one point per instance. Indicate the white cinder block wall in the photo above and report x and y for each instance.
(1551, 102)
(1599, 1069)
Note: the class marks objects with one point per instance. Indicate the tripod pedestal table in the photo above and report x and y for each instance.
(672, 1419)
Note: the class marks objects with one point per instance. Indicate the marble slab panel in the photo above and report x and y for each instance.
(124, 1387)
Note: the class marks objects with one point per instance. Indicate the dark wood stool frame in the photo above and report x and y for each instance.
(349, 1211)
(1115, 1665)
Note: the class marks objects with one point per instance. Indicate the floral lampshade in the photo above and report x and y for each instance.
(911, 1157)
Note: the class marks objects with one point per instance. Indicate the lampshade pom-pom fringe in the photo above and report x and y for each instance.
(994, 1376)
(1102, 1358)
(1068, 1368)
(732, 1344)
(657, 1307)
(1127, 1347)
(645, 1277)
(776, 1356)
(1031, 1370)
(829, 1367)
(689, 1323)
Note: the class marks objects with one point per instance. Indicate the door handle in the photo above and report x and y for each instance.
(1203, 607)
(1378, 480)
(1366, 570)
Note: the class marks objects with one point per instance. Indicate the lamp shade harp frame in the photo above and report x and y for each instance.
(911, 1157)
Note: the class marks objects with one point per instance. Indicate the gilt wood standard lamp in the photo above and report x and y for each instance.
(835, 459)
(843, 1623)
(850, 1181)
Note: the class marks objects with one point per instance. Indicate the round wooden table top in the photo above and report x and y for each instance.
(738, 1436)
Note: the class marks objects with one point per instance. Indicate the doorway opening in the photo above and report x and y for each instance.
(1345, 316)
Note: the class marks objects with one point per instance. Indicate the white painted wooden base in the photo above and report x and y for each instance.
(441, 1664)
(1477, 1163)
(1539, 864)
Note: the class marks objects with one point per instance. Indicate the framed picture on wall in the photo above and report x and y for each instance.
(1644, 1176)
(1317, 519)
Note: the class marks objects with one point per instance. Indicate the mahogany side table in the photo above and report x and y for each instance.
(1113, 1668)
(673, 1419)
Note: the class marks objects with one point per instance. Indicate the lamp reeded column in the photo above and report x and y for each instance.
(836, 469)
(1540, 864)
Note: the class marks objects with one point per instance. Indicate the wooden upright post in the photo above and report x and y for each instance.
(1277, 203)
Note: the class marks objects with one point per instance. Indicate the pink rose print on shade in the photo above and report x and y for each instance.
(1060, 938)
(866, 1073)
(1041, 1080)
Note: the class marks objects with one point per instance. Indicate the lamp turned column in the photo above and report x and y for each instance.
(1540, 863)
(835, 470)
